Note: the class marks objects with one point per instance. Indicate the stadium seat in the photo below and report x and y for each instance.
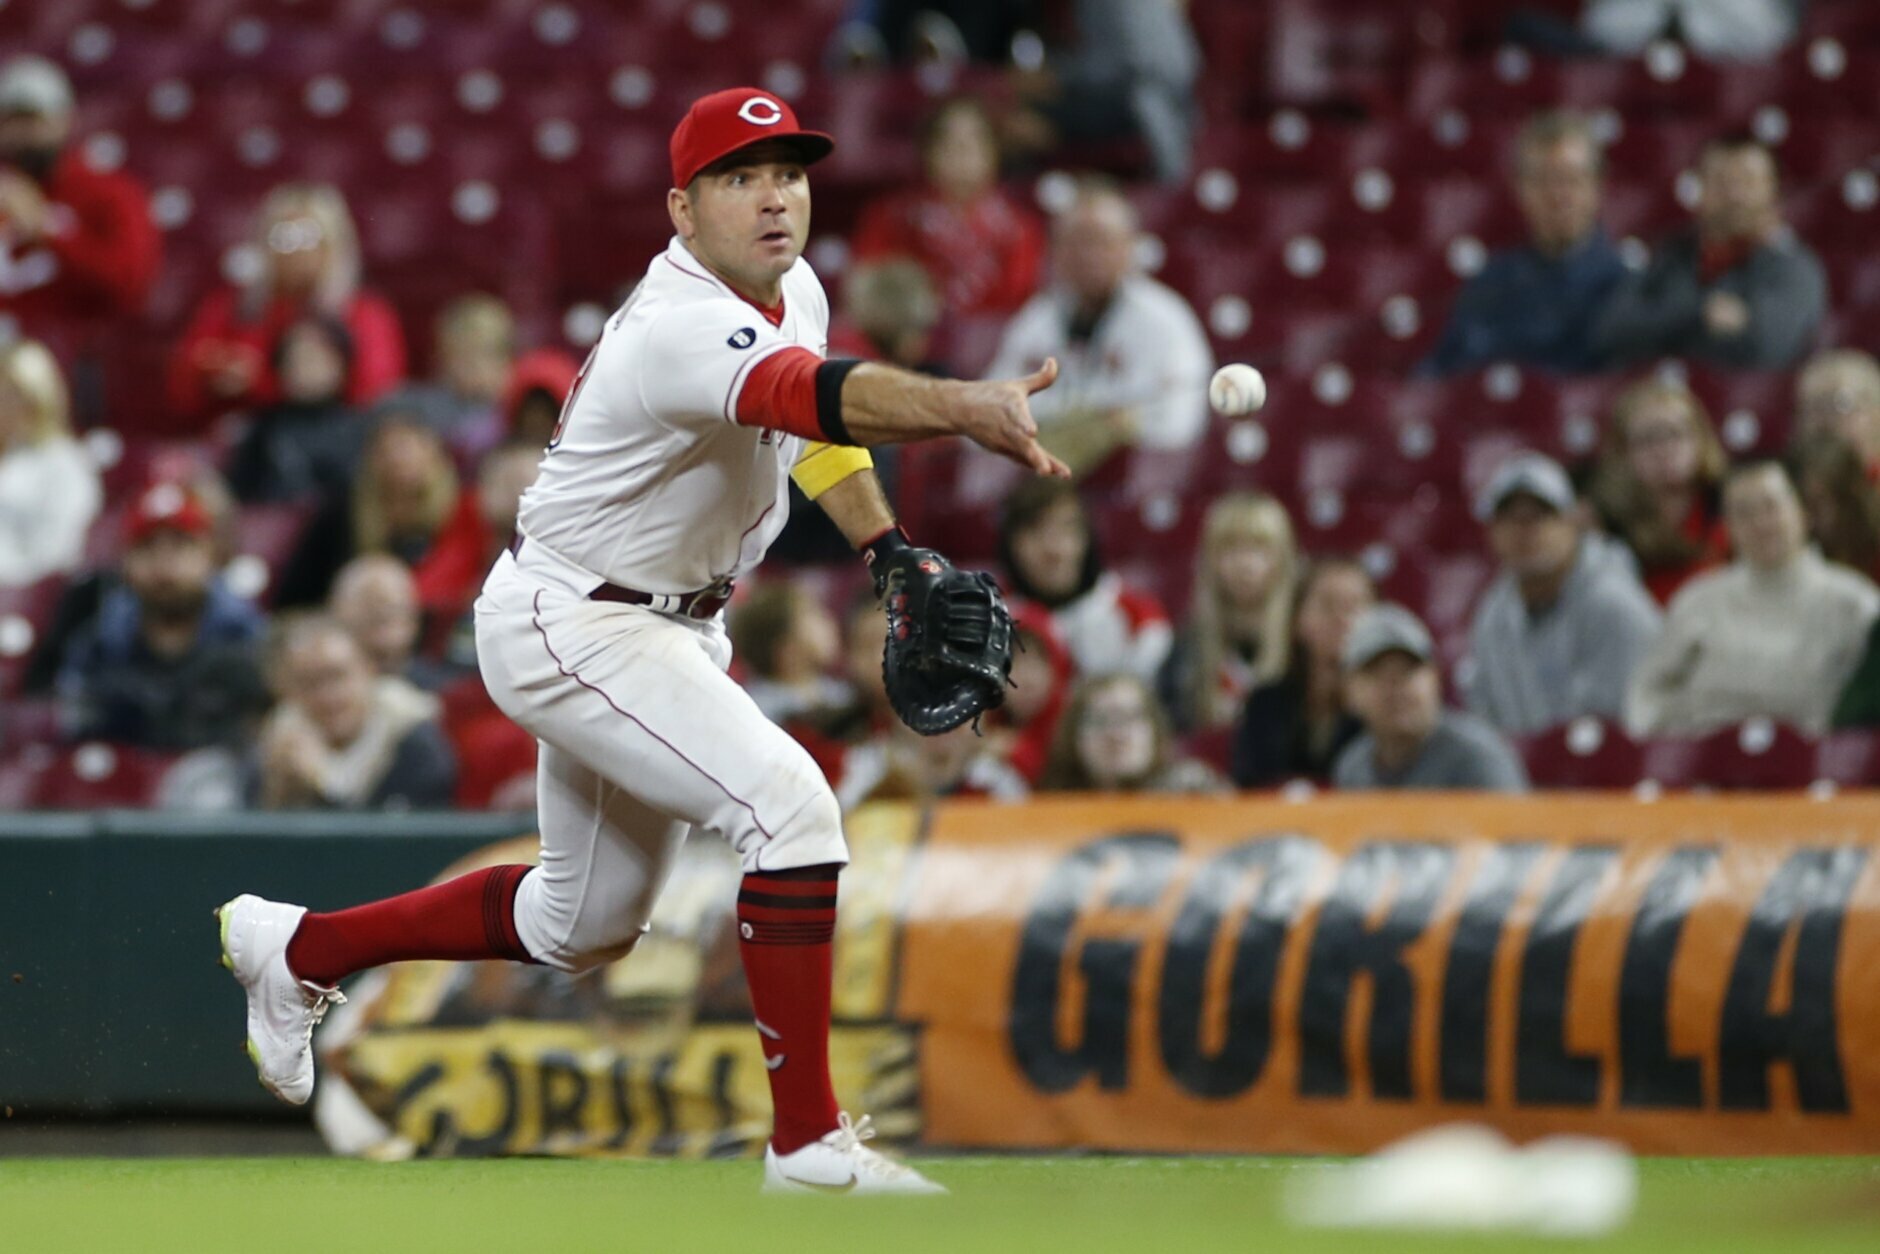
(95, 776)
(1757, 755)
(1849, 759)
(1586, 753)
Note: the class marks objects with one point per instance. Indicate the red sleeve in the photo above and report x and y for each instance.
(213, 322)
(780, 393)
(115, 248)
(378, 348)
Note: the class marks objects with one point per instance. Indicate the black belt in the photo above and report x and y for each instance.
(705, 603)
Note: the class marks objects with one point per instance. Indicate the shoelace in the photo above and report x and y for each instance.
(322, 1001)
(848, 1138)
(850, 1134)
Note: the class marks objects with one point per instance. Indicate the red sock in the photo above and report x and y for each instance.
(786, 924)
(470, 917)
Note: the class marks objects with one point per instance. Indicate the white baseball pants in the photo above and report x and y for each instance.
(643, 737)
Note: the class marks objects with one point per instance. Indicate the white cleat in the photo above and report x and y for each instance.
(282, 1010)
(840, 1163)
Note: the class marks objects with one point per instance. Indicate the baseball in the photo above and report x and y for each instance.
(1236, 389)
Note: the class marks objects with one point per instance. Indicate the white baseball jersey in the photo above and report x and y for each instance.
(650, 483)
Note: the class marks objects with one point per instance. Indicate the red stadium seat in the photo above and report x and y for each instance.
(97, 776)
(1584, 754)
(1757, 755)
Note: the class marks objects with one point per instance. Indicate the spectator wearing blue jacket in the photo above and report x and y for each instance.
(171, 659)
(1535, 304)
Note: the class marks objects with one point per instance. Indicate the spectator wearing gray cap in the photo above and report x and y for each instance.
(1776, 634)
(1558, 634)
(77, 246)
(1410, 739)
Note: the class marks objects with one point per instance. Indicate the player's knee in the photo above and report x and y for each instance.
(586, 953)
(812, 835)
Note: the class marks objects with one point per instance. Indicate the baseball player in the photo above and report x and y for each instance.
(600, 632)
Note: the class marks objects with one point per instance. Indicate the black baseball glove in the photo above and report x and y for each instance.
(949, 653)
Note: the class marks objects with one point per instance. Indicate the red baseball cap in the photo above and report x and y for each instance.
(719, 124)
(167, 507)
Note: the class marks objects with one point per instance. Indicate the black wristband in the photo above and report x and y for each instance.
(886, 545)
(829, 379)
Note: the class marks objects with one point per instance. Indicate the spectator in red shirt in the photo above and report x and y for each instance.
(77, 246)
(1025, 727)
(1658, 485)
(309, 266)
(538, 385)
(1049, 549)
(982, 248)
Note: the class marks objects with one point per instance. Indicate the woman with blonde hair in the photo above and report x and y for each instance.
(49, 491)
(1658, 484)
(305, 264)
(404, 497)
(1238, 635)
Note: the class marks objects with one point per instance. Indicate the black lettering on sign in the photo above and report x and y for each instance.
(1649, 1073)
(1282, 866)
(563, 1090)
(1808, 899)
(1545, 1073)
(1142, 863)
(1470, 969)
(620, 1100)
(1344, 944)
(726, 1141)
(669, 1140)
(447, 1142)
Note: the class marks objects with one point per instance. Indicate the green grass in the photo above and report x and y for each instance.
(1090, 1205)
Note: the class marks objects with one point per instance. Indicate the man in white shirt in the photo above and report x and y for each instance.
(1134, 362)
(601, 633)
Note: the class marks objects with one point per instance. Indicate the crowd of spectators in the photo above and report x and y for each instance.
(1654, 586)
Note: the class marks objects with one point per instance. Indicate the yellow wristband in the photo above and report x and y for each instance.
(823, 466)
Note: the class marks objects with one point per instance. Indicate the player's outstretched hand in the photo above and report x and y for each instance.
(998, 417)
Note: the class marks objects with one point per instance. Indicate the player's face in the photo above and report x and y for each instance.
(749, 221)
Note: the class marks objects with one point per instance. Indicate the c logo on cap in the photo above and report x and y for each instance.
(761, 111)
